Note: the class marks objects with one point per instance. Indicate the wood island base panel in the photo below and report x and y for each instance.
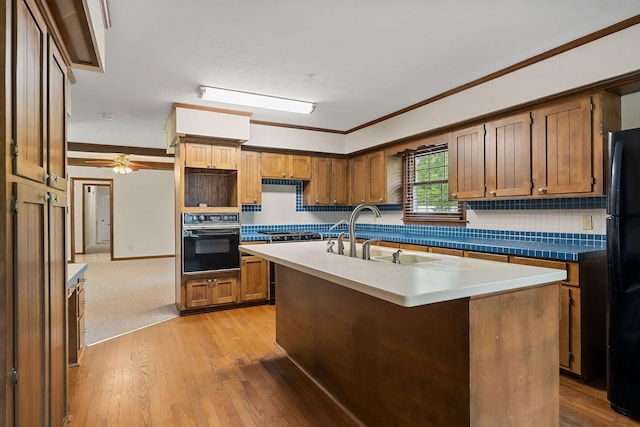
(481, 361)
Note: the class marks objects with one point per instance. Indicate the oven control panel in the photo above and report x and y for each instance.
(232, 218)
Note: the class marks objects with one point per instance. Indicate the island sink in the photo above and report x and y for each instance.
(416, 345)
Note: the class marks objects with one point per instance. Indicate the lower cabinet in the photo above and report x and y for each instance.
(77, 329)
(254, 278)
(212, 289)
(582, 325)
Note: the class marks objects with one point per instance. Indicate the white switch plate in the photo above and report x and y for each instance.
(587, 222)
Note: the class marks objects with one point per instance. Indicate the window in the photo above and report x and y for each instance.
(426, 187)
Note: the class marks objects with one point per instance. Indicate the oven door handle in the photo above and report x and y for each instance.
(201, 232)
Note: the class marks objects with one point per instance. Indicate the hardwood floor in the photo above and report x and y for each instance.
(224, 369)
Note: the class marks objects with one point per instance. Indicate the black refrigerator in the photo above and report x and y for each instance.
(623, 253)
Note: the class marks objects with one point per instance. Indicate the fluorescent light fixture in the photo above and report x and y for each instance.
(254, 100)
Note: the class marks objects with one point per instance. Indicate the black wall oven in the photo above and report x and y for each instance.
(210, 242)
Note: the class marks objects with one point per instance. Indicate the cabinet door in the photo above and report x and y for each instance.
(254, 278)
(250, 178)
(318, 190)
(198, 292)
(376, 177)
(197, 155)
(299, 167)
(570, 329)
(30, 316)
(562, 148)
(30, 89)
(57, 289)
(224, 157)
(466, 164)
(508, 156)
(339, 182)
(274, 165)
(224, 290)
(57, 136)
(358, 179)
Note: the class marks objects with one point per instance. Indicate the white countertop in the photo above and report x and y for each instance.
(74, 270)
(442, 278)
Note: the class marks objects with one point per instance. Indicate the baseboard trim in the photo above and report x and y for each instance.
(141, 257)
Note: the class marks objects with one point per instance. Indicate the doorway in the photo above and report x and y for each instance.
(91, 219)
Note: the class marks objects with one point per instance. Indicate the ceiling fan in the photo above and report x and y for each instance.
(120, 164)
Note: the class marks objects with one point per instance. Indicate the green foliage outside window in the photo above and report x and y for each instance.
(430, 188)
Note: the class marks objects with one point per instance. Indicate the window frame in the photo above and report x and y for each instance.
(408, 183)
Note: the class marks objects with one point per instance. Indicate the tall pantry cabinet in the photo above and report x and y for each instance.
(33, 257)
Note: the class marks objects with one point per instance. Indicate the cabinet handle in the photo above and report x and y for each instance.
(47, 197)
(454, 195)
(381, 199)
(209, 165)
(335, 202)
(255, 200)
(46, 177)
(215, 165)
(317, 202)
(492, 193)
(284, 174)
(362, 200)
(290, 175)
(542, 190)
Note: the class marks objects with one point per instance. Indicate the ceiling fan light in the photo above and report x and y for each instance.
(255, 100)
(122, 169)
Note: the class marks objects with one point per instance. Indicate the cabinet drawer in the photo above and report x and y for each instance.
(81, 302)
(560, 265)
(412, 247)
(447, 251)
(487, 256)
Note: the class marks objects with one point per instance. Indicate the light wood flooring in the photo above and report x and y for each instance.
(224, 369)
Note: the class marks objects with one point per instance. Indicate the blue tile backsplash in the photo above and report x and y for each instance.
(299, 200)
(599, 202)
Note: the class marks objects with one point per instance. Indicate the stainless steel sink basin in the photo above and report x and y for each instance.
(405, 258)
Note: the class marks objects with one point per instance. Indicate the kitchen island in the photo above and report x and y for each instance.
(444, 341)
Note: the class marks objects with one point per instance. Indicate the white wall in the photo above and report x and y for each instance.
(143, 210)
(631, 111)
(601, 59)
(296, 139)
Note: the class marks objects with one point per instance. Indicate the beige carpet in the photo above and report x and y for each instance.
(123, 296)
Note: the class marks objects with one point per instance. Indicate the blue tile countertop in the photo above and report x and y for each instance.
(556, 246)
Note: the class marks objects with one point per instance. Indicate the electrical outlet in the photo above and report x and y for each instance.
(587, 222)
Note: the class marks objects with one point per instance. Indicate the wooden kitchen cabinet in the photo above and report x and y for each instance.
(583, 317)
(508, 157)
(211, 156)
(569, 137)
(250, 178)
(286, 166)
(254, 278)
(211, 290)
(76, 320)
(467, 164)
(369, 179)
(562, 148)
(328, 185)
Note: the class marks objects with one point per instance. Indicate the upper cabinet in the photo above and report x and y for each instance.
(286, 166)
(466, 163)
(568, 145)
(375, 178)
(561, 154)
(563, 148)
(209, 156)
(508, 156)
(250, 178)
(29, 145)
(328, 185)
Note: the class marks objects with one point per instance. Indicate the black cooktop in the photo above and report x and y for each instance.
(291, 236)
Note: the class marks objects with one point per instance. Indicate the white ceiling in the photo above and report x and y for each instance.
(358, 59)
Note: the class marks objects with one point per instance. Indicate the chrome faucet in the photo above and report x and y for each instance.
(330, 243)
(341, 243)
(396, 256)
(352, 224)
(366, 249)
